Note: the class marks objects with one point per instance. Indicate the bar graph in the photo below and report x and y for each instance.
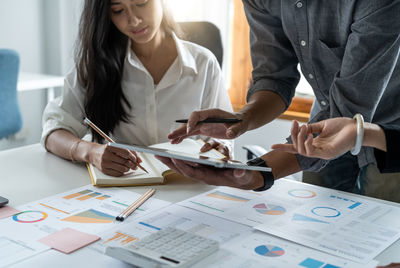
(71, 196)
(120, 238)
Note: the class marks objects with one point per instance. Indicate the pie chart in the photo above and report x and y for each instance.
(269, 209)
(269, 251)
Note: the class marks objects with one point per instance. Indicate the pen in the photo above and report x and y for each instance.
(105, 136)
(129, 210)
(214, 120)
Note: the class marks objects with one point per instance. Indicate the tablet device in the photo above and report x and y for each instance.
(205, 160)
(3, 201)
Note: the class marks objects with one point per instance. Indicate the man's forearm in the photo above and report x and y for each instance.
(262, 108)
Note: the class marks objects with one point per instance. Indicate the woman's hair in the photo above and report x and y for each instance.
(99, 58)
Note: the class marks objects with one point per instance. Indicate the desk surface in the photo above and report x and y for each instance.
(32, 81)
(30, 173)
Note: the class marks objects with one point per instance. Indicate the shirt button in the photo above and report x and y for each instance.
(299, 5)
(311, 76)
(323, 103)
(303, 43)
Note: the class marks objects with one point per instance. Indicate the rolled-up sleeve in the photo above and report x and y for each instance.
(65, 112)
(273, 58)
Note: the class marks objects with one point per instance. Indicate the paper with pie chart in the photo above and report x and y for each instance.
(246, 207)
(257, 249)
(340, 224)
(253, 208)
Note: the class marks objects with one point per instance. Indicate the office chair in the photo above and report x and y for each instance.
(10, 114)
(204, 34)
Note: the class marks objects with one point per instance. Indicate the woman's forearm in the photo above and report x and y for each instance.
(66, 145)
(374, 136)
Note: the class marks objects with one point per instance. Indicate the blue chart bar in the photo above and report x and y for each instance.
(148, 225)
(331, 266)
(311, 263)
(355, 205)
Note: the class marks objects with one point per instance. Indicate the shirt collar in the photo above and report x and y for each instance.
(185, 56)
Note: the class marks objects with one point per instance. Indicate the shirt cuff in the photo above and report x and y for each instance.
(284, 91)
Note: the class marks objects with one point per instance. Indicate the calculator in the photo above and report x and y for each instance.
(169, 247)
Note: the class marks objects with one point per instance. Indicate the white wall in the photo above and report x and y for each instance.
(21, 29)
(43, 33)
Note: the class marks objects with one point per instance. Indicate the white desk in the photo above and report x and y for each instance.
(30, 173)
(32, 81)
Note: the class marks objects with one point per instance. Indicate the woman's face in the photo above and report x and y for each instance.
(140, 20)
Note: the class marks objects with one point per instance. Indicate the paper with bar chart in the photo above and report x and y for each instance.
(251, 208)
(89, 209)
(340, 224)
(257, 249)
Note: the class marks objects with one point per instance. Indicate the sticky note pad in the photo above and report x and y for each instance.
(7, 211)
(68, 240)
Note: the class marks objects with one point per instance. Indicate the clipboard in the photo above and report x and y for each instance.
(204, 160)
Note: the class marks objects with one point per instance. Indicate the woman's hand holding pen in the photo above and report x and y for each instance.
(113, 161)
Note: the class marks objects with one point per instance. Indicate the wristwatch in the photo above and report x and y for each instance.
(267, 175)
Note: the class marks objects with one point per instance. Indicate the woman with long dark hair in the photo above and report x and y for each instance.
(133, 77)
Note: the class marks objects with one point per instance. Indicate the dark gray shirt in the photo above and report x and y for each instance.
(348, 51)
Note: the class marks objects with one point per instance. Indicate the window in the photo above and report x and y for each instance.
(241, 72)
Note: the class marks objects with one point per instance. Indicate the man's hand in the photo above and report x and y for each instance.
(219, 131)
(238, 178)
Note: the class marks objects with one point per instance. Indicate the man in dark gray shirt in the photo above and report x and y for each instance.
(348, 51)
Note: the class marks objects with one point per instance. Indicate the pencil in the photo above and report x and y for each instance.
(213, 120)
(129, 210)
(105, 136)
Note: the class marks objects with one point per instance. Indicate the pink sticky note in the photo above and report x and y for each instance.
(68, 240)
(7, 211)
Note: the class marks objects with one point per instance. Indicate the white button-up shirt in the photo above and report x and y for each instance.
(193, 82)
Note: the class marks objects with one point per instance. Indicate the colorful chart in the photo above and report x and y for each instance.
(85, 197)
(269, 209)
(299, 217)
(225, 196)
(30, 216)
(302, 193)
(269, 251)
(103, 197)
(121, 238)
(326, 212)
(352, 206)
(77, 194)
(90, 216)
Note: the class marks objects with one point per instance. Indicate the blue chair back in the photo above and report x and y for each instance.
(10, 114)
